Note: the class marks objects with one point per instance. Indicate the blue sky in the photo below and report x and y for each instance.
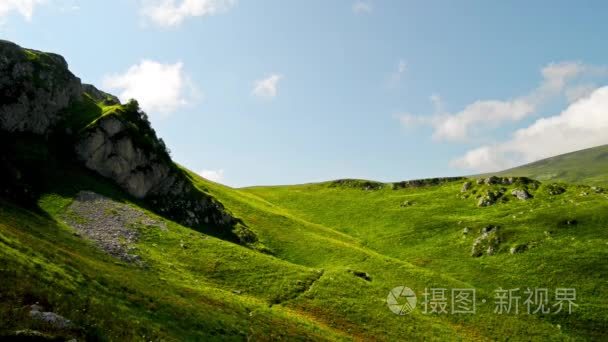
(279, 92)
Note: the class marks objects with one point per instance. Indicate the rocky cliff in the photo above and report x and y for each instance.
(115, 147)
(34, 88)
(39, 96)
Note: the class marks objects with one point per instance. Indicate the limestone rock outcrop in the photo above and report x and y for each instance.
(34, 88)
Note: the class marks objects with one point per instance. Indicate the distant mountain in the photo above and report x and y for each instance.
(589, 166)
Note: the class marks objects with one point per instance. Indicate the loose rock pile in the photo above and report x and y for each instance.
(109, 224)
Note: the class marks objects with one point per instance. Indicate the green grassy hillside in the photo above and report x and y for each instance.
(319, 239)
(587, 166)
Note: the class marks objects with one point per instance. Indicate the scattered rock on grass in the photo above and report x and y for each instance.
(466, 186)
(521, 194)
(487, 199)
(555, 189)
(487, 241)
(52, 319)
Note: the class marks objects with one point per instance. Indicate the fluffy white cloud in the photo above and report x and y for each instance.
(159, 88)
(579, 91)
(483, 114)
(267, 87)
(361, 7)
(213, 175)
(169, 13)
(23, 7)
(583, 124)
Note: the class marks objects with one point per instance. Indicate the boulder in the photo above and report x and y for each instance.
(466, 186)
(521, 194)
(488, 241)
(54, 320)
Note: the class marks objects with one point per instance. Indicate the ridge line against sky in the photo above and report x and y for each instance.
(292, 93)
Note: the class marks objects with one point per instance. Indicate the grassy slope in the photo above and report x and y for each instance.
(586, 166)
(182, 293)
(429, 235)
(317, 233)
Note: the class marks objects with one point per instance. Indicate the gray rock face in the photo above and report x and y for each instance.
(466, 186)
(34, 88)
(110, 150)
(54, 320)
(36, 91)
(521, 194)
(116, 157)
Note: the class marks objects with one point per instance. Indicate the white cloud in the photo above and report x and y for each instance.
(213, 175)
(159, 88)
(490, 113)
(579, 91)
(483, 114)
(583, 124)
(167, 13)
(361, 7)
(267, 87)
(23, 7)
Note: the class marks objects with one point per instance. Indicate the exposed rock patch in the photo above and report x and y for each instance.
(358, 184)
(555, 189)
(34, 88)
(491, 190)
(489, 198)
(110, 225)
(416, 183)
(135, 159)
(52, 319)
(521, 194)
(487, 242)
